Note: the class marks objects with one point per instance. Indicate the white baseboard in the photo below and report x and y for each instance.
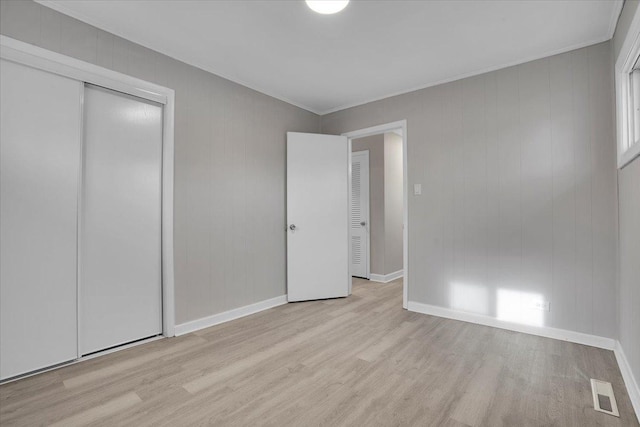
(633, 390)
(629, 380)
(386, 278)
(543, 331)
(226, 316)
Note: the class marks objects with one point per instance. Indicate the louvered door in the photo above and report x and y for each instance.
(359, 250)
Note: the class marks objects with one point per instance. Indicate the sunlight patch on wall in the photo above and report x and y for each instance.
(518, 307)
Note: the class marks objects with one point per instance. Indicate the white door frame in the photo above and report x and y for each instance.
(374, 130)
(368, 246)
(36, 57)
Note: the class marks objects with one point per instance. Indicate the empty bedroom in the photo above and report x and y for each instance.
(320, 212)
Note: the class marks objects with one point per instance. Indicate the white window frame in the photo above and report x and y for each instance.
(628, 141)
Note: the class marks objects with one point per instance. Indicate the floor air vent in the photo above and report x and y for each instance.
(603, 398)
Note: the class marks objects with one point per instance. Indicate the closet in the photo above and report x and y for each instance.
(80, 219)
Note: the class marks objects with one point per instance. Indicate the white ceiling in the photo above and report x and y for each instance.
(371, 50)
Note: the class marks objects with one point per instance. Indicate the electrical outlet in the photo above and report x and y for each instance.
(541, 305)
(417, 189)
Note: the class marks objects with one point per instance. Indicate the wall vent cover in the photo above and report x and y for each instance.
(603, 398)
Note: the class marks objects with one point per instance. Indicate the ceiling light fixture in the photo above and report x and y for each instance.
(327, 7)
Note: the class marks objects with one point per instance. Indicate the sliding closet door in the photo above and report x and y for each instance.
(120, 240)
(40, 122)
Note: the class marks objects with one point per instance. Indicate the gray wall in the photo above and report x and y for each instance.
(518, 176)
(229, 163)
(629, 291)
(375, 145)
(517, 166)
(629, 216)
(393, 202)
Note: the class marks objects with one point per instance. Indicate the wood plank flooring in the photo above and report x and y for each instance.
(357, 361)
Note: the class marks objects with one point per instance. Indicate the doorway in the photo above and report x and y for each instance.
(378, 220)
(319, 213)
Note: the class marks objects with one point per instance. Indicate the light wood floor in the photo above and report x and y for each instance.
(360, 361)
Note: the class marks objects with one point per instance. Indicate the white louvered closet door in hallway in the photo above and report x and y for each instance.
(359, 250)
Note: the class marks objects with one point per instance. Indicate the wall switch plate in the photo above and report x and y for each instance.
(541, 305)
(417, 189)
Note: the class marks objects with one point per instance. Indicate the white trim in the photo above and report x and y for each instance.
(544, 331)
(633, 390)
(386, 278)
(388, 127)
(168, 286)
(79, 202)
(36, 57)
(628, 155)
(236, 313)
(628, 53)
(349, 196)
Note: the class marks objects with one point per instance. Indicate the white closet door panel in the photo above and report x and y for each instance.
(120, 254)
(40, 129)
(360, 214)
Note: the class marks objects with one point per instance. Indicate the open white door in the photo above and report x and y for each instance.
(360, 214)
(317, 216)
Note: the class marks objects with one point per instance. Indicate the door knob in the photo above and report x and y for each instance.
(363, 223)
(292, 227)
